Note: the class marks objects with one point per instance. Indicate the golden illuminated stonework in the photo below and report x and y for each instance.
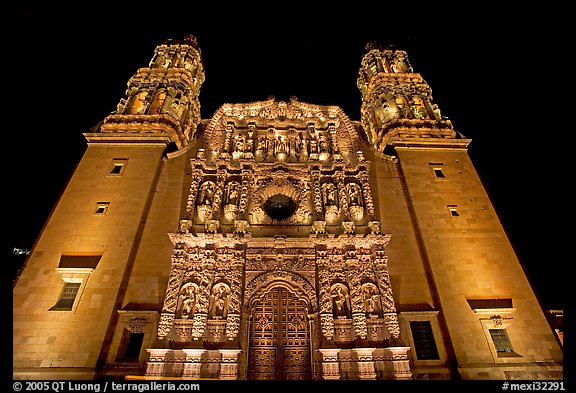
(277, 240)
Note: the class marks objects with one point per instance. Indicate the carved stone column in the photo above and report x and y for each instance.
(325, 311)
(244, 187)
(235, 276)
(171, 300)
(217, 203)
(342, 195)
(227, 140)
(317, 187)
(192, 195)
(358, 313)
(367, 193)
(389, 308)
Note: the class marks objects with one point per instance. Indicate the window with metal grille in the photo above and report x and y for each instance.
(67, 297)
(424, 343)
(501, 340)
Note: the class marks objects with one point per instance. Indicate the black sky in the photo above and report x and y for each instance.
(66, 73)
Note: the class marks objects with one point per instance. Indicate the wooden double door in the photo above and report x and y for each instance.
(279, 346)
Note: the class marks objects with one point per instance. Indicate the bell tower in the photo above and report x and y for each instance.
(76, 276)
(162, 98)
(396, 102)
(480, 308)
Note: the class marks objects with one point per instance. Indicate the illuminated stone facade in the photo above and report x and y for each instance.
(277, 240)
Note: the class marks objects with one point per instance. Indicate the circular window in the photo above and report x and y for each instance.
(280, 207)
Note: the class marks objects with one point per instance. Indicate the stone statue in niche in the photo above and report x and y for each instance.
(313, 145)
(372, 302)
(219, 301)
(323, 143)
(262, 147)
(206, 194)
(232, 193)
(280, 146)
(302, 144)
(340, 301)
(231, 198)
(354, 194)
(240, 143)
(187, 300)
(330, 197)
(355, 204)
(330, 194)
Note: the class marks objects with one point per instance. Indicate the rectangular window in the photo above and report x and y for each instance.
(101, 208)
(424, 342)
(130, 347)
(437, 170)
(453, 209)
(118, 166)
(67, 297)
(116, 169)
(501, 341)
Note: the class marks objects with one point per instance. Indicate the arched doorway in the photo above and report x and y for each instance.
(279, 343)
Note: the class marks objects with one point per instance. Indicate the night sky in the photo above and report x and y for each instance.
(66, 74)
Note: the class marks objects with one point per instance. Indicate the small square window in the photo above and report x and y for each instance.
(116, 169)
(453, 209)
(118, 166)
(437, 170)
(101, 208)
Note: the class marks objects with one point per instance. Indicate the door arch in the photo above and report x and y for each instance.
(279, 336)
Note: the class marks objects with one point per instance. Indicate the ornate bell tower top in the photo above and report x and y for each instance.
(396, 102)
(161, 101)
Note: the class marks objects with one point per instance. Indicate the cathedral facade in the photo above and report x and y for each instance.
(277, 240)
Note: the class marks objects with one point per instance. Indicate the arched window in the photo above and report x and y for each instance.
(138, 104)
(157, 103)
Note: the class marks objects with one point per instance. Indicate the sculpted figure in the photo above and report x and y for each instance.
(330, 194)
(354, 194)
(206, 195)
(280, 146)
(219, 301)
(372, 303)
(261, 146)
(232, 193)
(340, 301)
(322, 143)
(187, 300)
(240, 144)
(302, 144)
